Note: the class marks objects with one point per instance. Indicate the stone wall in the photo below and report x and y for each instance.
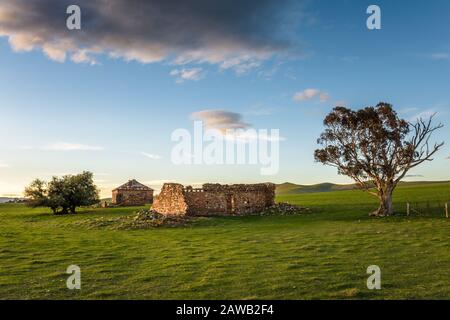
(214, 199)
(132, 197)
(171, 200)
(204, 203)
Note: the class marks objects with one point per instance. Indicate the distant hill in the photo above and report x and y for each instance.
(7, 199)
(292, 188)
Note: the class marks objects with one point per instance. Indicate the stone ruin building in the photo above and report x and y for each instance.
(214, 199)
(132, 193)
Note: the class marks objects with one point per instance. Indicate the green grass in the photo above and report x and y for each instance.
(322, 255)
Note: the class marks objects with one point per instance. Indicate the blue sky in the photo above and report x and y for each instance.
(111, 111)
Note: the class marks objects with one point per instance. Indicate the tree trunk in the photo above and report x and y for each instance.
(386, 208)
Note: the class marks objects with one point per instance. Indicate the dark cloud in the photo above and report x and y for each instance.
(232, 34)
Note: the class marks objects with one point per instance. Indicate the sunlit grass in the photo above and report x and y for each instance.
(322, 255)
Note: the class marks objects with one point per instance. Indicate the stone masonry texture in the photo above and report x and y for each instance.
(214, 199)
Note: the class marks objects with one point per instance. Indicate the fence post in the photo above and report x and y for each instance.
(446, 209)
(407, 208)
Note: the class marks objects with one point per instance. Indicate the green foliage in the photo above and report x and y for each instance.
(375, 148)
(37, 194)
(63, 194)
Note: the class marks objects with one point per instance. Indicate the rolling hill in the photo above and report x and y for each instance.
(292, 188)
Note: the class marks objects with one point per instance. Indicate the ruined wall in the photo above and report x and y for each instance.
(214, 199)
(132, 197)
(203, 203)
(249, 201)
(171, 200)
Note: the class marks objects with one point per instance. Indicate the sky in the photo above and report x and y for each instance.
(108, 97)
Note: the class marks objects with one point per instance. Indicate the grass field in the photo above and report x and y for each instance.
(321, 255)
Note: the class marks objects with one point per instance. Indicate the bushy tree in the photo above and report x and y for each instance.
(63, 194)
(36, 194)
(375, 148)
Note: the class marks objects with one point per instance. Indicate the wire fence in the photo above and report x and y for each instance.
(424, 208)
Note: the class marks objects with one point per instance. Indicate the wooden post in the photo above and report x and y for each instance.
(407, 208)
(446, 209)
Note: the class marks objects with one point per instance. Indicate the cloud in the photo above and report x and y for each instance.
(440, 56)
(309, 94)
(412, 114)
(4, 165)
(151, 156)
(422, 115)
(220, 119)
(413, 176)
(194, 74)
(238, 130)
(324, 97)
(66, 146)
(408, 110)
(232, 35)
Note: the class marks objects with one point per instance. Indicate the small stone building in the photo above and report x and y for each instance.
(214, 199)
(132, 193)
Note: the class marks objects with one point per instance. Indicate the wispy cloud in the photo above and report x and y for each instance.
(440, 56)
(193, 74)
(412, 114)
(151, 156)
(4, 165)
(408, 110)
(244, 63)
(67, 146)
(422, 115)
(309, 94)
